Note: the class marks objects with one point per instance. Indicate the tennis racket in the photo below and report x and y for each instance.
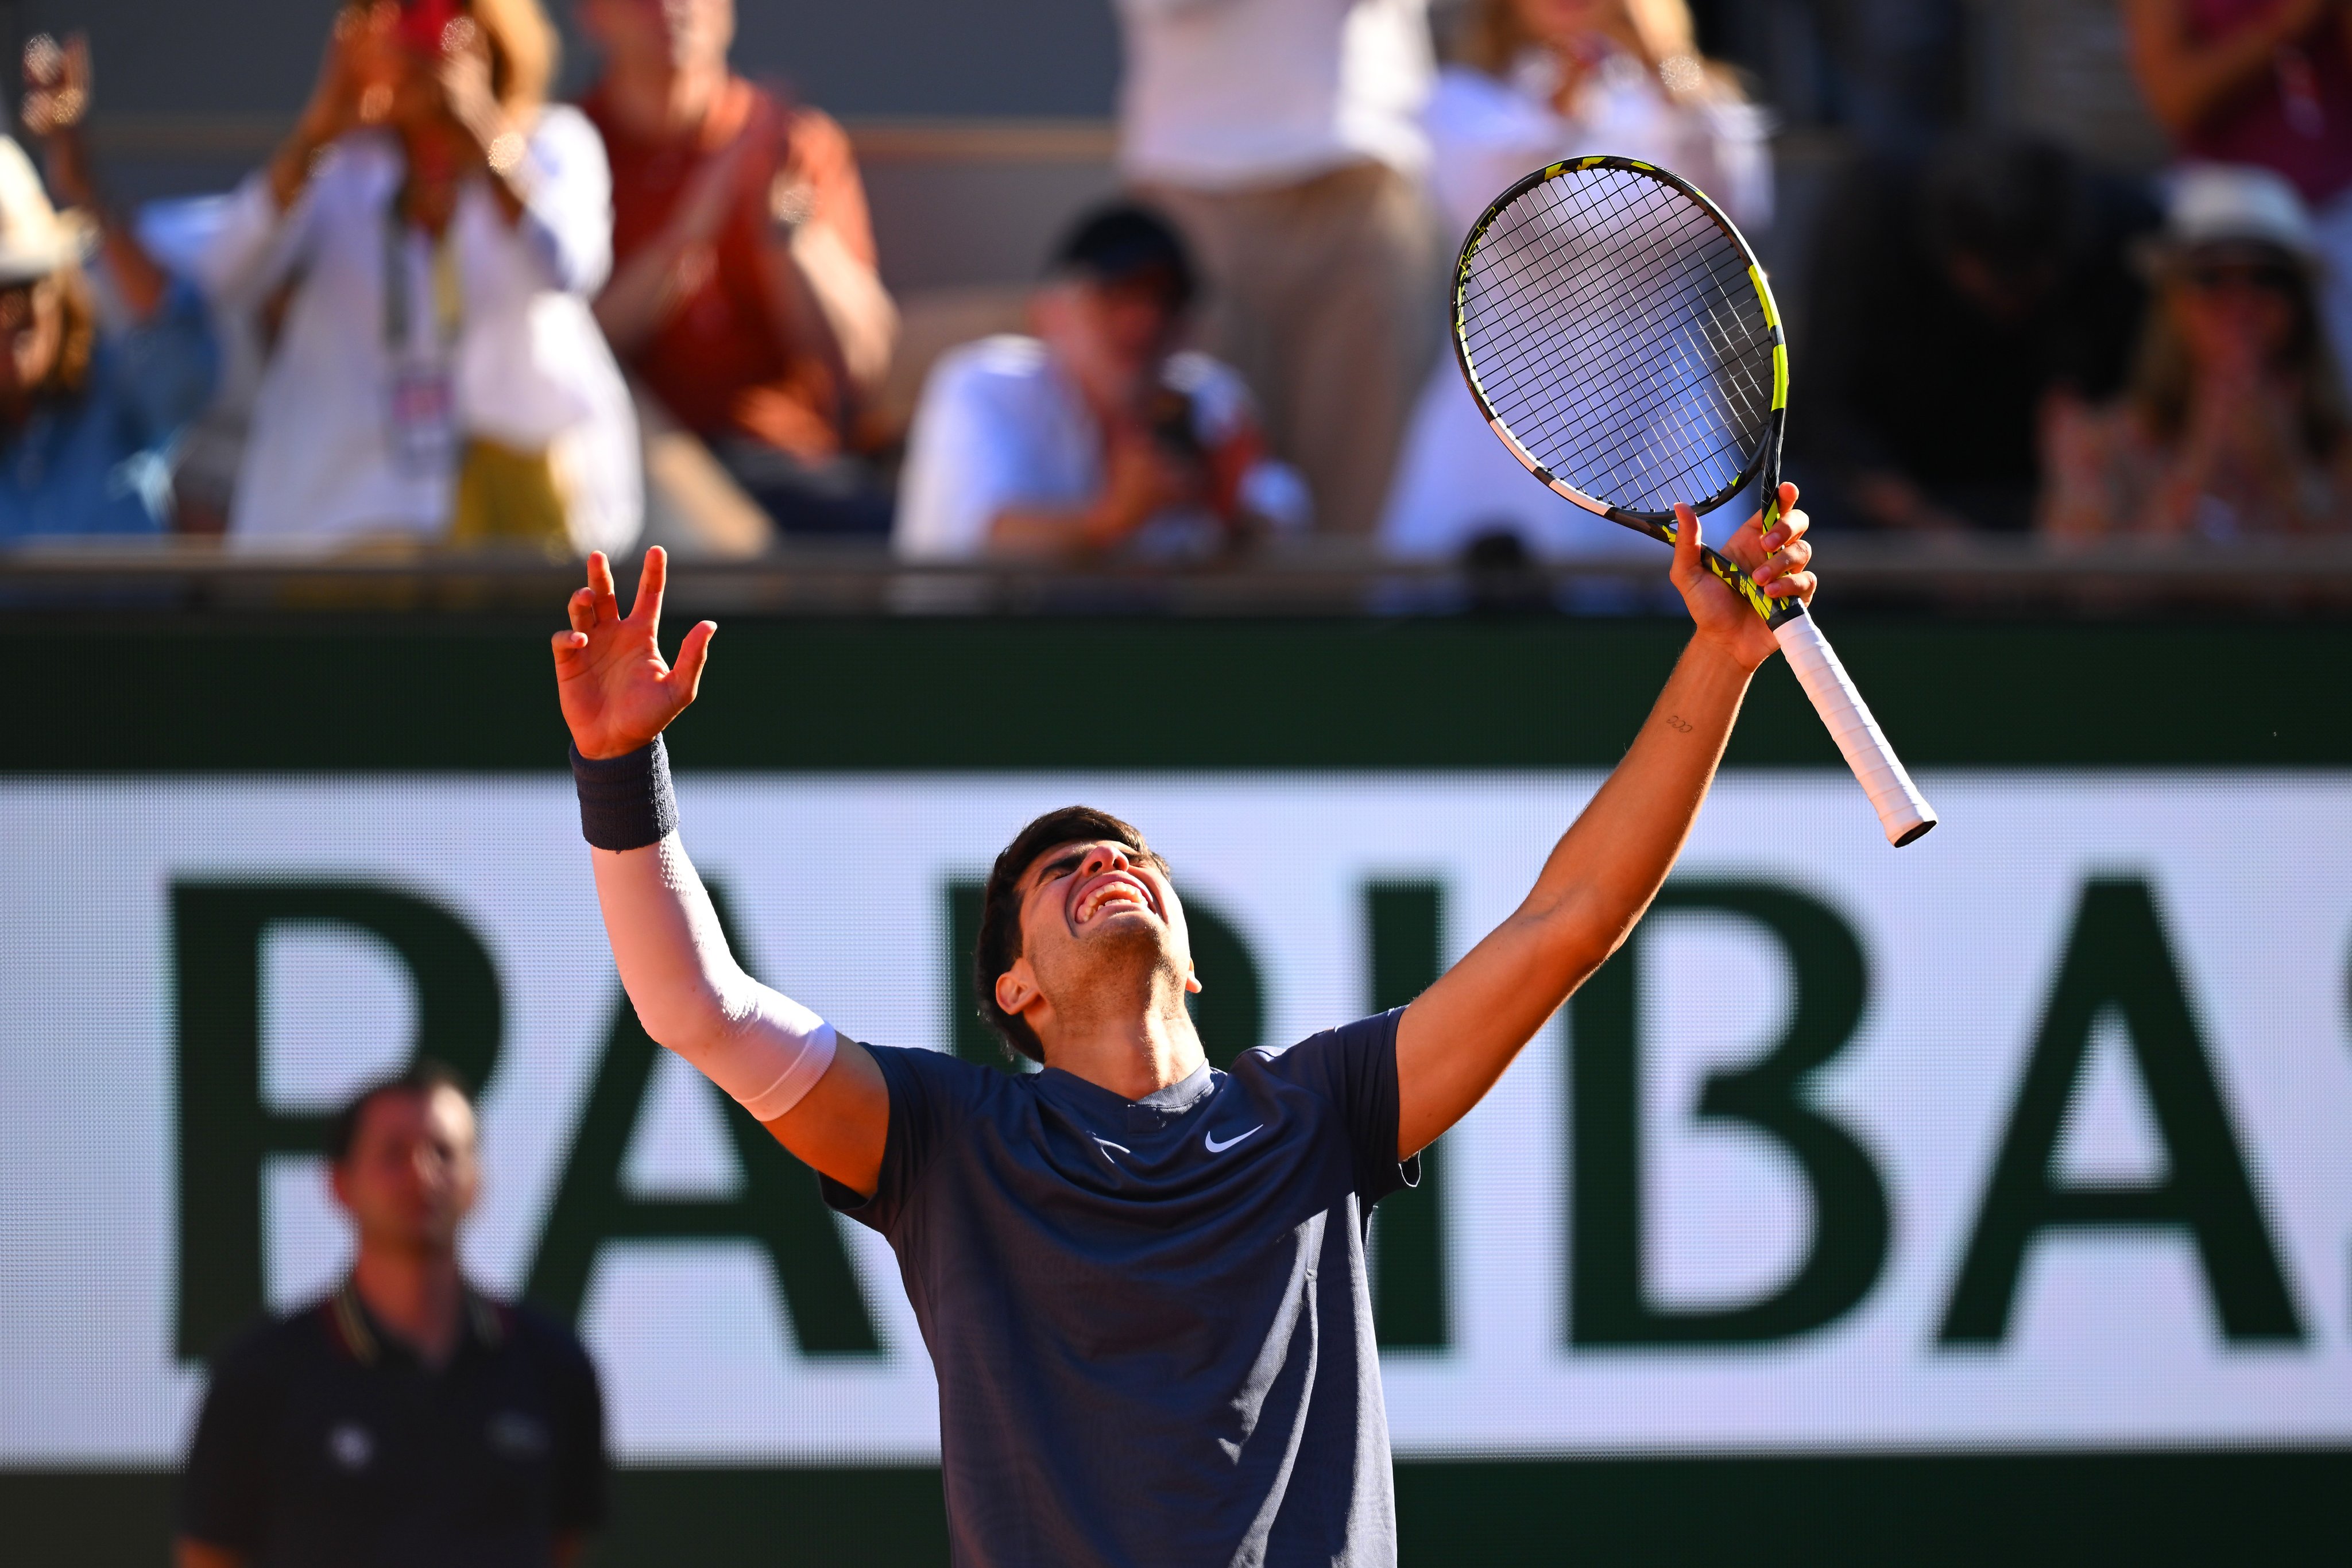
(1619, 336)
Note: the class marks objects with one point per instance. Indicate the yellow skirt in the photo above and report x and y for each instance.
(508, 497)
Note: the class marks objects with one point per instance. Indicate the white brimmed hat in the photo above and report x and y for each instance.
(35, 239)
(2229, 203)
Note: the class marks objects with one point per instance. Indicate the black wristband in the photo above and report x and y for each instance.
(626, 801)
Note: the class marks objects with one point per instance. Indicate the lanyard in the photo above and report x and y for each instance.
(449, 292)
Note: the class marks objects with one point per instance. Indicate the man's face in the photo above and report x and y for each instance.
(1093, 914)
(675, 33)
(1109, 335)
(412, 1174)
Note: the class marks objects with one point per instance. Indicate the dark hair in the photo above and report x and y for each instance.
(1125, 241)
(423, 1077)
(2015, 203)
(1000, 907)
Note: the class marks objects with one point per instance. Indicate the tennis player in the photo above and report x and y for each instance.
(1142, 1280)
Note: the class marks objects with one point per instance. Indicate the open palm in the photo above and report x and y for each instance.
(616, 691)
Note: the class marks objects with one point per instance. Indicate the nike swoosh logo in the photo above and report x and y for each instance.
(1217, 1149)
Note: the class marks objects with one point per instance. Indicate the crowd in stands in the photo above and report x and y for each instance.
(452, 311)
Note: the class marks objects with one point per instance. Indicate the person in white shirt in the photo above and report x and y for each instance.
(1283, 137)
(1542, 80)
(438, 374)
(1092, 438)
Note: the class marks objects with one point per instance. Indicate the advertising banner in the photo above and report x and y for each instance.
(2032, 1135)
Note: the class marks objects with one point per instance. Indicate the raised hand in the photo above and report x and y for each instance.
(616, 691)
(1776, 560)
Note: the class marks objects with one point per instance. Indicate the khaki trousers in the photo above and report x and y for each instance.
(1325, 296)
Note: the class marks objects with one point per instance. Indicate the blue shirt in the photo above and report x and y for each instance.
(1151, 1321)
(98, 461)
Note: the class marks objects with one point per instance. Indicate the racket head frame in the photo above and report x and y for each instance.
(1763, 463)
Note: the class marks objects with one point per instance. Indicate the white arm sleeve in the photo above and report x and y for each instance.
(762, 1048)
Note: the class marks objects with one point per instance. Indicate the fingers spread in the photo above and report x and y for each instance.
(600, 587)
(650, 584)
(692, 655)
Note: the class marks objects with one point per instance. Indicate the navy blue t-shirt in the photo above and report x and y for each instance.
(1151, 1321)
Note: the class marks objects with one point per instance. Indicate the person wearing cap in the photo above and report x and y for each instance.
(744, 297)
(2234, 421)
(2266, 84)
(437, 228)
(95, 384)
(405, 1417)
(1094, 437)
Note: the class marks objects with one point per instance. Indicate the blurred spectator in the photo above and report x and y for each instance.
(1282, 137)
(743, 293)
(1540, 80)
(1894, 73)
(1093, 437)
(1945, 301)
(2234, 421)
(93, 395)
(430, 231)
(406, 1418)
(2266, 83)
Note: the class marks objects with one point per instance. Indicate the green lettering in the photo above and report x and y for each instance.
(1404, 923)
(1609, 1298)
(2117, 959)
(226, 1132)
(779, 1210)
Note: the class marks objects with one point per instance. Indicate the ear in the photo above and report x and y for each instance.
(1192, 981)
(1016, 989)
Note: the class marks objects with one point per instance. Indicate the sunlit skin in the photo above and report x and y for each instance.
(1106, 960)
(436, 100)
(636, 36)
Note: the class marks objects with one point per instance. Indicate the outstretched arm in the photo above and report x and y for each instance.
(822, 1096)
(1454, 1042)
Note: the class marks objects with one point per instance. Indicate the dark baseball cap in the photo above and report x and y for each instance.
(1125, 243)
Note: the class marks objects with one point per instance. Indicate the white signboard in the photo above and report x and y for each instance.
(2033, 1134)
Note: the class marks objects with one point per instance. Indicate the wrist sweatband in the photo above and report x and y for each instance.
(626, 801)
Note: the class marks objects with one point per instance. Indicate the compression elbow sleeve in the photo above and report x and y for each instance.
(761, 1048)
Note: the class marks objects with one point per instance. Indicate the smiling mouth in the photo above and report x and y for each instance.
(1109, 895)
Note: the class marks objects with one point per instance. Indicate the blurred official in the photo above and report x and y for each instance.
(407, 1419)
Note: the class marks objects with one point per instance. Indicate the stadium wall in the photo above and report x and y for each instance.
(1986, 1198)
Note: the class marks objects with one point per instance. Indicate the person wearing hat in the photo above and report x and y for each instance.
(91, 401)
(2264, 84)
(2234, 422)
(1094, 437)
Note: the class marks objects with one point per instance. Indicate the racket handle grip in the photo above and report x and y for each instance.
(1903, 811)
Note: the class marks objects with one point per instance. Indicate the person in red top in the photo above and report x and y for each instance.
(744, 297)
(2266, 83)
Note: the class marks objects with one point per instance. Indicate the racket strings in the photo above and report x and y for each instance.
(1645, 328)
(1610, 323)
(1618, 349)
